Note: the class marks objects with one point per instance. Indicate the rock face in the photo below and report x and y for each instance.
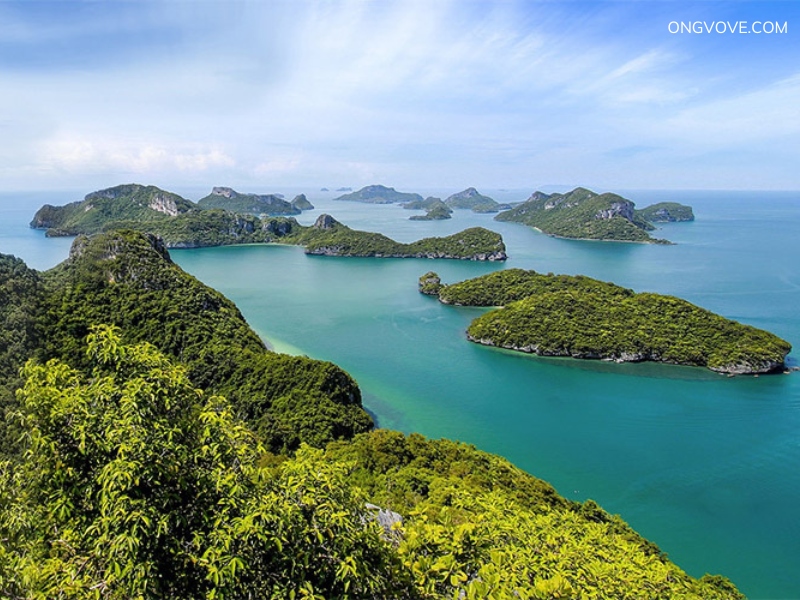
(325, 221)
(163, 203)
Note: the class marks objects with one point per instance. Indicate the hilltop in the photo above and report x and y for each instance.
(582, 214)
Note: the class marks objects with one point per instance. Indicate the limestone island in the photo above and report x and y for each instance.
(254, 204)
(584, 214)
(379, 194)
(473, 200)
(436, 210)
(181, 223)
(666, 212)
(581, 317)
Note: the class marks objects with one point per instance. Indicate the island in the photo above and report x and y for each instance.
(666, 212)
(473, 200)
(435, 209)
(584, 214)
(379, 194)
(581, 317)
(153, 447)
(255, 204)
(328, 237)
(181, 223)
(300, 202)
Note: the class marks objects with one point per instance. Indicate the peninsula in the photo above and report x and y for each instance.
(181, 223)
(580, 317)
(584, 214)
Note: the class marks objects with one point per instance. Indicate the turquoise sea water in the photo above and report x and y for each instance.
(706, 466)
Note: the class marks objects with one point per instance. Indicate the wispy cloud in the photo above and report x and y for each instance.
(506, 94)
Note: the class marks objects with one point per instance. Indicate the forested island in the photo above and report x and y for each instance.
(580, 317)
(156, 449)
(435, 209)
(255, 204)
(181, 223)
(379, 194)
(584, 214)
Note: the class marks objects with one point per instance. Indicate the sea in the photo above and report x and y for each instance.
(704, 465)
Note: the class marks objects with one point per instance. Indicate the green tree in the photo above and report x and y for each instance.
(134, 484)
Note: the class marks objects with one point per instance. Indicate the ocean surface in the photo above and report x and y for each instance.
(706, 466)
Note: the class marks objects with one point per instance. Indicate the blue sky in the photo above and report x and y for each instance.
(434, 93)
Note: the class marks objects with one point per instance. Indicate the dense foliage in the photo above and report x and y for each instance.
(134, 484)
(503, 287)
(127, 279)
(559, 315)
(21, 300)
(666, 212)
(477, 527)
(581, 214)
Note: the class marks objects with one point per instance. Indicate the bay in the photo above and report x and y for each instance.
(707, 467)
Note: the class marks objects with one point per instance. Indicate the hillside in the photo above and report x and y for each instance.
(582, 214)
(379, 194)
(127, 279)
(580, 317)
(133, 478)
(255, 204)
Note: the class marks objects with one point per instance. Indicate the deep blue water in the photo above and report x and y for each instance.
(706, 466)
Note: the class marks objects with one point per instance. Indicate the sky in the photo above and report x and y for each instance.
(430, 94)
